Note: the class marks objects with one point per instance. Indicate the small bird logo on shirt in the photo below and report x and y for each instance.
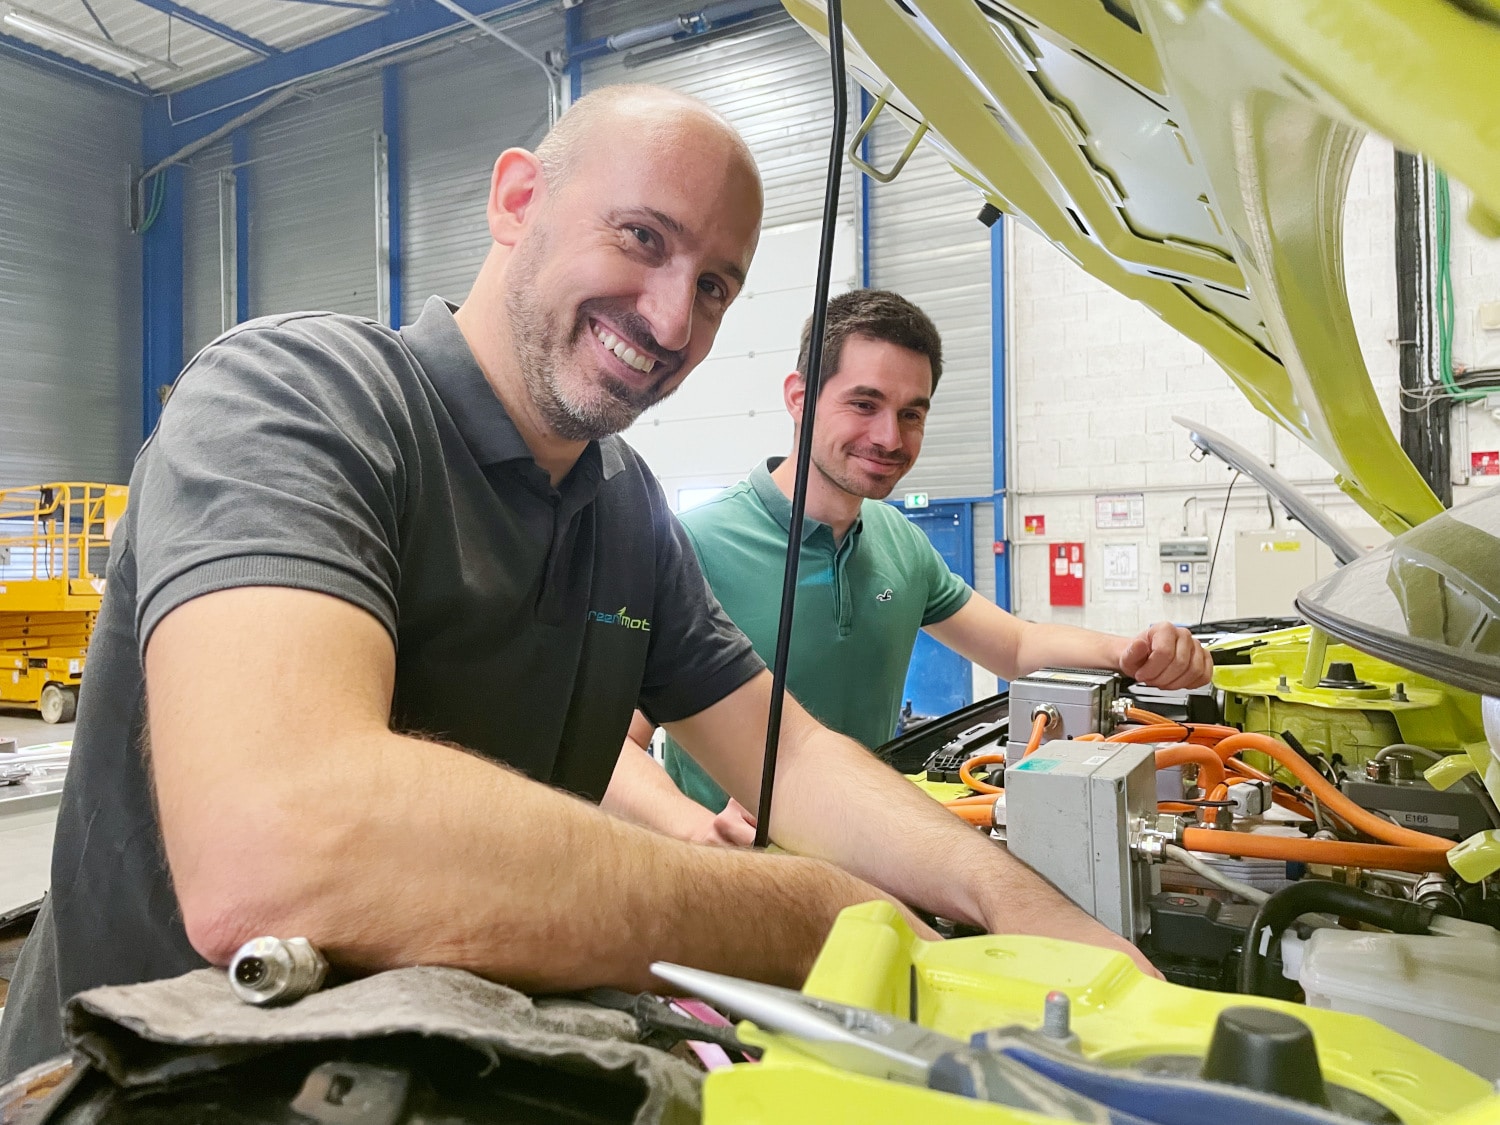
(886, 595)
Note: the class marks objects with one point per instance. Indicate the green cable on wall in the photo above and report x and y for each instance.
(1443, 222)
(158, 195)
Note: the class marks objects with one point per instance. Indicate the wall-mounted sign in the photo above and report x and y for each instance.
(1119, 511)
(1035, 525)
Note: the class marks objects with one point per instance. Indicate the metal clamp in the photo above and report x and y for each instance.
(1151, 835)
(864, 131)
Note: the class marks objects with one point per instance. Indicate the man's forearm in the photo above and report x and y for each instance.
(1043, 644)
(641, 792)
(477, 867)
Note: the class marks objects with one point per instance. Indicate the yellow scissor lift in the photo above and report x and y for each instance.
(54, 543)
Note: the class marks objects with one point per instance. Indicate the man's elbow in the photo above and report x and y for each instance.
(242, 885)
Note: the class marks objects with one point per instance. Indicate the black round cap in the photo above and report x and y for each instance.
(1268, 1051)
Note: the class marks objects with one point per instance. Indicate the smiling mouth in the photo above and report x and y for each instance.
(623, 351)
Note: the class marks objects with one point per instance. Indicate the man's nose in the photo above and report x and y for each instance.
(886, 430)
(668, 304)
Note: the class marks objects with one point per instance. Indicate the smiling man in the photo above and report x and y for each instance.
(384, 602)
(869, 579)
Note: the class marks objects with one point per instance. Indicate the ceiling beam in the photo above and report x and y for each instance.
(212, 26)
(198, 109)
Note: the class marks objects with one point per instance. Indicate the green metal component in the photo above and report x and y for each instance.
(864, 131)
(1266, 694)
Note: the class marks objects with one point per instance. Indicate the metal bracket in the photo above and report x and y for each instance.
(864, 131)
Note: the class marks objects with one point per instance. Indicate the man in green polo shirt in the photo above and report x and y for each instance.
(869, 578)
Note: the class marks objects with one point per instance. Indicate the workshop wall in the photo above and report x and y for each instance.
(1096, 380)
(1475, 264)
(70, 279)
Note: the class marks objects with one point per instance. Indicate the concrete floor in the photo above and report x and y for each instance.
(28, 730)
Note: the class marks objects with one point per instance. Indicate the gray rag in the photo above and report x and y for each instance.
(143, 1034)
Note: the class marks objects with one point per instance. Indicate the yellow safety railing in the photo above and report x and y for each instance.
(57, 532)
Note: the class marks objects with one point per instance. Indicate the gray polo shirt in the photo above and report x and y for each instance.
(331, 453)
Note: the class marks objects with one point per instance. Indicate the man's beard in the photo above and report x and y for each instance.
(836, 473)
(592, 409)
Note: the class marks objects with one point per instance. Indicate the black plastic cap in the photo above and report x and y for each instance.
(1267, 1051)
(988, 214)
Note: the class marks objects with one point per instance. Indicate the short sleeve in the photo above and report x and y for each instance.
(697, 654)
(278, 461)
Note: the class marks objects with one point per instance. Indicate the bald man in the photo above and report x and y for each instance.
(383, 604)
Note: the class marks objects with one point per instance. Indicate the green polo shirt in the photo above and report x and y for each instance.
(859, 606)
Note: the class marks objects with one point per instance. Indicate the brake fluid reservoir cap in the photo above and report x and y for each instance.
(1268, 1051)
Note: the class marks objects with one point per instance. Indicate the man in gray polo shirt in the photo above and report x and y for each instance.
(383, 603)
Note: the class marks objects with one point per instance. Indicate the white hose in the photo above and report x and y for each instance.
(1213, 875)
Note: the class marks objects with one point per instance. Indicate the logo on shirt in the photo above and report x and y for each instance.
(621, 618)
(886, 595)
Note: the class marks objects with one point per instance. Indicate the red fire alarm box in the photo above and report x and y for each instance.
(1067, 574)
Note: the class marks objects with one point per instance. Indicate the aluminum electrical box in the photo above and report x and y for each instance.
(1081, 697)
(1070, 810)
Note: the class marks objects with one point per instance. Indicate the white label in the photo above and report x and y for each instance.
(1097, 759)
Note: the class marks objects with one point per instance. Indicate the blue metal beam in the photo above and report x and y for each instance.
(342, 4)
(239, 153)
(161, 274)
(77, 69)
(572, 36)
(391, 109)
(200, 109)
(864, 195)
(212, 26)
(999, 425)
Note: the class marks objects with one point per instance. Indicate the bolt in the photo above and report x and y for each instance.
(1399, 694)
(1282, 685)
(1057, 1016)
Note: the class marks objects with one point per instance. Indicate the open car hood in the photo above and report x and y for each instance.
(1194, 155)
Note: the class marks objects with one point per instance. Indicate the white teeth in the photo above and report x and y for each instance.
(629, 355)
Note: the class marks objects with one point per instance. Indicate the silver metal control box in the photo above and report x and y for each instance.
(1081, 699)
(1070, 810)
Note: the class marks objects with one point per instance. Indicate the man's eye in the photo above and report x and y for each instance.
(711, 288)
(644, 235)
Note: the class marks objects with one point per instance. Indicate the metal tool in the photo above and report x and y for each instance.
(270, 970)
(882, 1046)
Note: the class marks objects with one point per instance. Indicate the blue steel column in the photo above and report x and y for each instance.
(572, 36)
(864, 195)
(161, 273)
(240, 155)
(998, 422)
(390, 88)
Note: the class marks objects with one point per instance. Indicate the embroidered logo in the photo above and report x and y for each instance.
(885, 595)
(621, 618)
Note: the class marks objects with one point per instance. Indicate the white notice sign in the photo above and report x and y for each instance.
(1119, 511)
(1122, 566)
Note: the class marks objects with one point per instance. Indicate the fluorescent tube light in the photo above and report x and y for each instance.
(52, 31)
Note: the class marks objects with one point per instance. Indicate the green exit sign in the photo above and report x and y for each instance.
(916, 499)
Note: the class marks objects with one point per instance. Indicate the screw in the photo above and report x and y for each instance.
(1282, 685)
(1057, 1012)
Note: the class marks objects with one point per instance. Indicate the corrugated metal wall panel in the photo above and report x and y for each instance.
(459, 110)
(984, 549)
(312, 213)
(772, 83)
(70, 279)
(927, 244)
(202, 284)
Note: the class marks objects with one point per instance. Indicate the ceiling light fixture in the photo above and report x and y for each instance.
(52, 31)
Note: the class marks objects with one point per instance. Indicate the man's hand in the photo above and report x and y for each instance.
(1069, 924)
(732, 828)
(1167, 656)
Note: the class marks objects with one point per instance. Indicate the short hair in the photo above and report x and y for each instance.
(559, 150)
(875, 314)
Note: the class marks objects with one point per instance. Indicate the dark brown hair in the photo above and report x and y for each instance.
(877, 314)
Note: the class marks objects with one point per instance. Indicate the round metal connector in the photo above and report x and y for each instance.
(1054, 717)
(268, 970)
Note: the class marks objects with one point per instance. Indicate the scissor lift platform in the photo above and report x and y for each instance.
(54, 543)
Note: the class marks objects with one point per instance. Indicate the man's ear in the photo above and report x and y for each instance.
(793, 389)
(517, 190)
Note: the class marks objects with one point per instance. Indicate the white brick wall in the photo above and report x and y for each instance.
(1097, 379)
(1476, 280)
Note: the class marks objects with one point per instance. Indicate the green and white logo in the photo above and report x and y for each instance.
(621, 618)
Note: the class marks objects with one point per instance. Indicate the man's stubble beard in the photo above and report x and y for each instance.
(594, 410)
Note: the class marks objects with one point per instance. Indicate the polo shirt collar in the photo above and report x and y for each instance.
(779, 504)
(482, 420)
